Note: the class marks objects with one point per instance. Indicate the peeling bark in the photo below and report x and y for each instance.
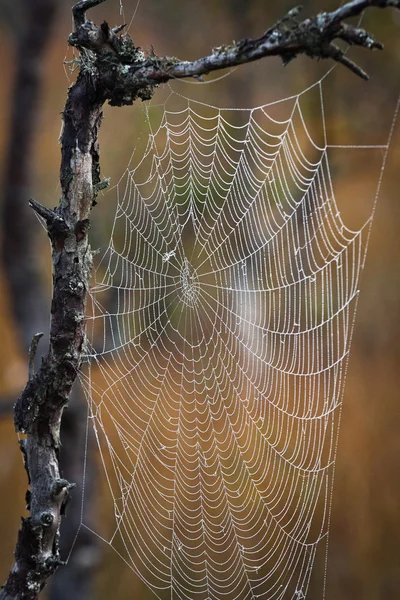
(112, 69)
(130, 73)
(39, 409)
(29, 301)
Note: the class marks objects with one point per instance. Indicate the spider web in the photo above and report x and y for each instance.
(219, 334)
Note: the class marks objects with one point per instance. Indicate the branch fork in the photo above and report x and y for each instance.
(113, 69)
(126, 74)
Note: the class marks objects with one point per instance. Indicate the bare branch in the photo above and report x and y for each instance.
(356, 7)
(80, 8)
(287, 39)
(113, 69)
(56, 225)
(125, 73)
(46, 213)
(358, 37)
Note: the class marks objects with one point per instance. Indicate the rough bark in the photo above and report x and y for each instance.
(112, 69)
(29, 301)
(134, 75)
(76, 580)
(39, 409)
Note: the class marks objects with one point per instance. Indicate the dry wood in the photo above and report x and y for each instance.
(113, 69)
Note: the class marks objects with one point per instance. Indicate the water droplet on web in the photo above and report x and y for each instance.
(209, 354)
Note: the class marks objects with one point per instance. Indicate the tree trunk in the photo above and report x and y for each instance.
(29, 300)
(113, 69)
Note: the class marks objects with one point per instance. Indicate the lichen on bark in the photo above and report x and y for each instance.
(113, 69)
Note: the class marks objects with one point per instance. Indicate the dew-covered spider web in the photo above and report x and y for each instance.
(219, 332)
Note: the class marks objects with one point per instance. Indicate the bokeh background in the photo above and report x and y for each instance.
(364, 553)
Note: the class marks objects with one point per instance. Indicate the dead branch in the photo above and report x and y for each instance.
(126, 73)
(113, 69)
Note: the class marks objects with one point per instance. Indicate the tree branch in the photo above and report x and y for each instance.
(126, 73)
(113, 69)
(80, 8)
(32, 353)
(356, 7)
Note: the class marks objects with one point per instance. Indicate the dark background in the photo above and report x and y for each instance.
(364, 555)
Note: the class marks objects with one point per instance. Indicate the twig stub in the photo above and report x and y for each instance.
(113, 69)
(32, 353)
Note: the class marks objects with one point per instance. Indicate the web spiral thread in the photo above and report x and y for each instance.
(219, 335)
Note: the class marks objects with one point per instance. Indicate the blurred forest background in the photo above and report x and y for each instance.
(364, 553)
